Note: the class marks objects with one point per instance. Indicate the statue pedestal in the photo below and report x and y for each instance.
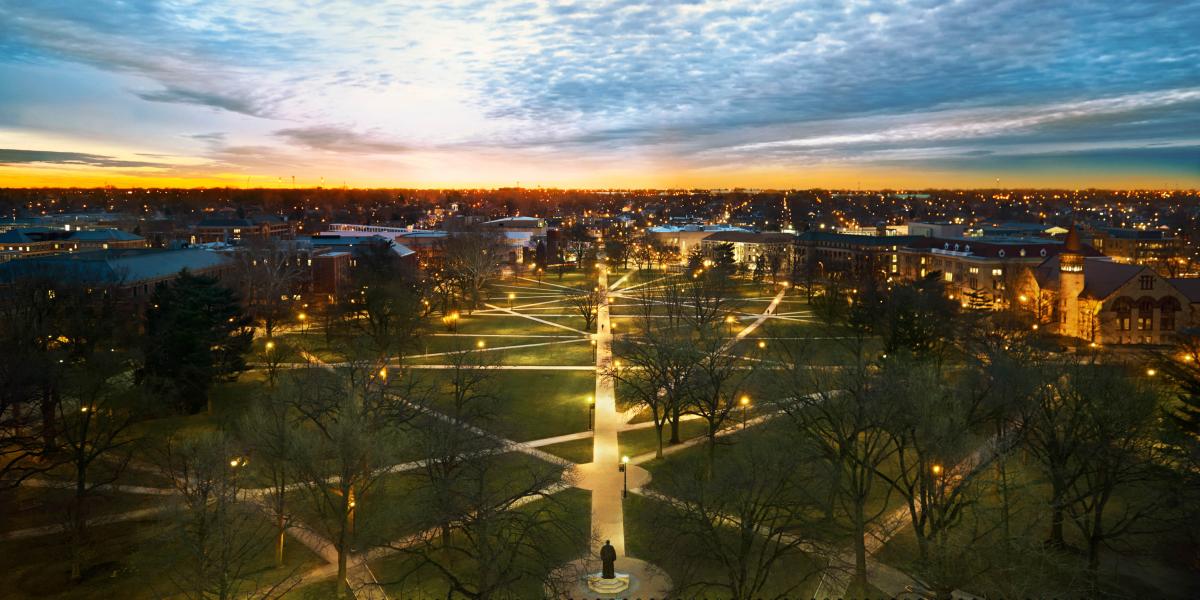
(615, 586)
(580, 580)
(600, 585)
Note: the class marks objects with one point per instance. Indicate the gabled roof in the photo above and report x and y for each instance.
(999, 247)
(14, 236)
(225, 223)
(751, 237)
(1189, 287)
(816, 235)
(1101, 277)
(103, 235)
(1137, 234)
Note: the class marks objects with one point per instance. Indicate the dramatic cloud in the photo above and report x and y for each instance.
(9, 156)
(213, 99)
(688, 85)
(336, 139)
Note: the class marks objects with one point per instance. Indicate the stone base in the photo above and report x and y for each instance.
(634, 579)
(600, 585)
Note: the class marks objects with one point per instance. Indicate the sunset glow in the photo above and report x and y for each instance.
(600, 94)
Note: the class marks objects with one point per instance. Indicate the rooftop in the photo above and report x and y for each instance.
(114, 266)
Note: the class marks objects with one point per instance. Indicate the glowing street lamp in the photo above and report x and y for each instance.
(936, 470)
(270, 345)
(479, 344)
(511, 296)
(624, 469)
(745, 402)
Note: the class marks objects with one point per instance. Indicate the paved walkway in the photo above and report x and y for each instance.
(602, 476)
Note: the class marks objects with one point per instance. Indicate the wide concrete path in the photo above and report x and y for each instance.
(602, 475)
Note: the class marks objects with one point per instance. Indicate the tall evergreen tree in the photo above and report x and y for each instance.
(196, 333)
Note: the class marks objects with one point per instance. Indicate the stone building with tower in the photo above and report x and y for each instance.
(1106, 302)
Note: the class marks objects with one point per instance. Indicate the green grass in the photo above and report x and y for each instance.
(573, 509)
(642, 441)
(532, 405)
(38, 506)
(548, 352)
(576, 451)
(124, 560)
(646, 539)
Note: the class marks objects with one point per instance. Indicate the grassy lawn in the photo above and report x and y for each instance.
(36, 507)
(540, 351)
(531, 405)
(574, 509)
(642, 441)
(576, 451)
(125, 560)
(793, 576)
(489, 323)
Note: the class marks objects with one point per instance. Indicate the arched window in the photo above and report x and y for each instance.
(1167, 308)
(1123, 306)
(1145, 313)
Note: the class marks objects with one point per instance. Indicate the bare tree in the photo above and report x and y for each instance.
(269, 273)
(508, 529)
(472, 259)
(586, 304)
(658, 370)
(27, 376)
(1121, 453)
(352, 418)
(219, 538)
(838, 417)
(736, 530)
(268, 431)
(452, 437)
(938, 457)
(94, 439)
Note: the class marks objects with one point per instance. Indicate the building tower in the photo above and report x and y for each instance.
(1070, 286)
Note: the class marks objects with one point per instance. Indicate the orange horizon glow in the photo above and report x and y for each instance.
(869, 178)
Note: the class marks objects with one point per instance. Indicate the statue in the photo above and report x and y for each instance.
(608, 558)
(608, 580)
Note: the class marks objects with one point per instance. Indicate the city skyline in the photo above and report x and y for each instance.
(612, 95)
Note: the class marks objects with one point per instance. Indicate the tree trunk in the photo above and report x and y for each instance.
(343, 586)
(659, 428)
(279, 541)
(860, 548)
(78, 524)
(49, 405)
(674, 418)
(1096, 537)
(1056, 528)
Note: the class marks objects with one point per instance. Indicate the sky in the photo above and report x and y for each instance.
(601, 94)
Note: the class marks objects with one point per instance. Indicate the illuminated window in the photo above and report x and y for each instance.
(949, 276)
(1145, 314)
(1124, 308)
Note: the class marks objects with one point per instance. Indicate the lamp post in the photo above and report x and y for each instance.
(511, 296)
(745, 402)
(624, 468)
(591, 413)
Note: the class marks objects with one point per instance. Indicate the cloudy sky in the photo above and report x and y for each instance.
(956, 93)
